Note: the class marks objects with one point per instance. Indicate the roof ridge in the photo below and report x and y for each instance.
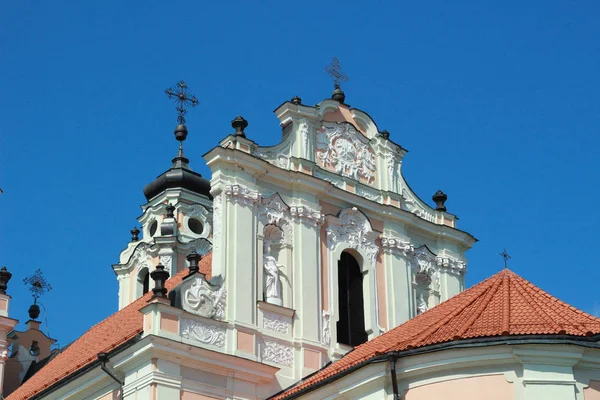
(506, 304)
(486, 300)
(528, 298)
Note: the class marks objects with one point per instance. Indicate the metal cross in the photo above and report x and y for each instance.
(38, 285)
(182, 98)
(335, 72)
(506, 257)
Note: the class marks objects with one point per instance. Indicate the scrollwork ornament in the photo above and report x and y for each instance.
(354, 229)
(277, 353)
(242, 195)
(276, 323)
(200, 299)
(326, 334)
(203, 333)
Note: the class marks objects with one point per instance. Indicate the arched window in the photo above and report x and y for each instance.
(351, 325)
(143, 282)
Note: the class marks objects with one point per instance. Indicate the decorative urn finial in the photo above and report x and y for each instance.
(296, 100)
(170, 211)
(384, 134)
(239, 124)
(4, 278)
(159, 276)
(338, 94)
(135, 234)
(194, 258)
(334, 70)
(440, 198)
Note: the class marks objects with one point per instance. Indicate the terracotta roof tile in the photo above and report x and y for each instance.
(502, 305)
(102, 337)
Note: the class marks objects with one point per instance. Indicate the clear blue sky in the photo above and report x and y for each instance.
(497, 104)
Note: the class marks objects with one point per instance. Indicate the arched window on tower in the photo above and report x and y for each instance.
(143, 282)
(351, 324)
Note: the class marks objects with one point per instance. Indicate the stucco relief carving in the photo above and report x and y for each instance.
(306, 215)
(278, 155)
(355, 229)
(413, 206)
(342, 149)
(141, 257)
(368, 194)
(203, 333)
(202, 299)
(276, 323)
(423, 263)
(166, 261)
(452, 264)
(303, 129)
(277, 353)
(326, 334)
(333, 179)
(273, 210)
(242, 195)
(217, 218)
(396, 246)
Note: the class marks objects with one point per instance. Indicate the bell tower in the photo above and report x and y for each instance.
(176, 219)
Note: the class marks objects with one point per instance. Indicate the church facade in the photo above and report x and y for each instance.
(310, 269)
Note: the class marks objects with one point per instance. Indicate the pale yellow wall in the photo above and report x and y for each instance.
(489, 387)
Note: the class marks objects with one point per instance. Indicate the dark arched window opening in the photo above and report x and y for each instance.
(146, 284)
(143, 282)
(351, 325)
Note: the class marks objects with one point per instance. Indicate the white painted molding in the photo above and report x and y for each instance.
(204, 333)
(200, 298)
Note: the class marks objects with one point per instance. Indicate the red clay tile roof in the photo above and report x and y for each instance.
(107, 335)
(502, 305)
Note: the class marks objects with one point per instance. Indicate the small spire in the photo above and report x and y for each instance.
(239, 124)
(135, 234)
(440, 199)
(194, 258)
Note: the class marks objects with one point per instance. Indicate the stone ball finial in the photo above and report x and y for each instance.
(385, 134)
(135, 234)
(440, 199)
(296, 100)
(4, 278)
(338, 94)
(194, 258)
(181, 132)
(34, 311)
(159, 276)
(239, 124)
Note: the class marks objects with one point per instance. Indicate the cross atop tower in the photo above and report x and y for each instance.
(335, 72)
(182, 98)
(506, 257)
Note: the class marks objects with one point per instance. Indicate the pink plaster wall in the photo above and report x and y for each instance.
(324, 270)
(148, 323)
(3, 304)
(194, 396)
(592, 392)
(381, 291)
(169, 323)
(114, 395)
(312, 359)
(343, 114)
(488, 387)
(245, 342)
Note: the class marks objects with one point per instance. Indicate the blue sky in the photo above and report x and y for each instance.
(497, 103)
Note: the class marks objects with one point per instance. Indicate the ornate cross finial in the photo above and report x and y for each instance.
(182, 99)
(506, 257)
(335, 72)
(37, 284)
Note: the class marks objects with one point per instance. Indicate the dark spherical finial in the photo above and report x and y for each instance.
(170, 211)
(338, 94)
(4, 278)
(194, 259)
(239, 124)
(34, 311)
(135, 234)
(296, 100)
(181, 132)
(440, 198)
(159, 276)
(385, 134)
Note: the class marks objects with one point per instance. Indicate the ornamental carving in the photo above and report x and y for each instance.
(201, 298)
(452, 264)
(335, 180)
(303, 130)
(274, 211)
(217, 218)
(278, 155)
(276, 323)
(424, 265)
(368, 194)
(355, 229)
(141, 257)
(242, 195)
(326, 334)
(306, 215)
(396, 246)
(166, 261)
(203, 333)
(342, 149)
(277, 353)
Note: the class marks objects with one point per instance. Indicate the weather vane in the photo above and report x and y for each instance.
(506, 257)
(335, 72)
(182, 98)
(37, 284)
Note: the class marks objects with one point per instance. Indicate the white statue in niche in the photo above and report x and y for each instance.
(421, 303)
(271, 268)
(423, 282)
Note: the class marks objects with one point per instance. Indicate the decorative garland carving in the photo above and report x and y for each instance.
(242, 195)
(202, 299)
(276, 323)
(203, 333)
(355, 229)
(274, 211)
(277, 353)
(326, 334)
(306, 215)
(342, 149)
